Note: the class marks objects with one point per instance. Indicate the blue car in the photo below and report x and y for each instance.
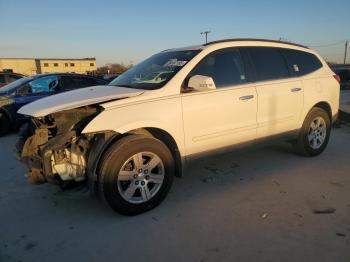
(28, 89)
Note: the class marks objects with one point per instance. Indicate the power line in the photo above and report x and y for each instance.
(346, 49)
(327, 45)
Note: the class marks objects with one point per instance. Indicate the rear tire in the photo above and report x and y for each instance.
(135, 174)
(4, 124)
(314, 134)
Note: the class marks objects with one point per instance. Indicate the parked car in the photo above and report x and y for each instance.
(8, 77)
(111, 77)
(129, 139)
(28, 89)
(344, 74)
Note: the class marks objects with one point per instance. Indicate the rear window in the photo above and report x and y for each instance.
(301, 63)
(268, 62)
(12, 78)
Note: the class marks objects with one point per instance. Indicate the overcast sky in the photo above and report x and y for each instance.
(129, 31)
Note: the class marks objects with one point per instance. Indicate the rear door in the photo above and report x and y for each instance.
(280, 95)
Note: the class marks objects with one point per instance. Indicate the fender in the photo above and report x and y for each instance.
(128, 118)
(100, 143)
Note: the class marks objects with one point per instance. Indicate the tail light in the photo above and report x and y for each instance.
(336, 77)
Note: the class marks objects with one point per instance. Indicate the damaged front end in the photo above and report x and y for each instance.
(53, 147)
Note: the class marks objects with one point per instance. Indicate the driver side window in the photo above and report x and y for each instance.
(46, 84)
(224, 66)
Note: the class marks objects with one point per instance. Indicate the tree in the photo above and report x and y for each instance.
(112, 69)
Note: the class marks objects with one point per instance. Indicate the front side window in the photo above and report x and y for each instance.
(44, 84)
(46, 64)
(2, 79)
(269, 63)
(156, 71)
(301, 63)
(224, 66)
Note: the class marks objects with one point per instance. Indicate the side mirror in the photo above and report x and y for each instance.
(201, 83)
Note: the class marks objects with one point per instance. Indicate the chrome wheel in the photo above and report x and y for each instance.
(140, 177)
(317, 133)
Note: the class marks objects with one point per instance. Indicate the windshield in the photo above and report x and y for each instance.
(156, 71)
(12, 86)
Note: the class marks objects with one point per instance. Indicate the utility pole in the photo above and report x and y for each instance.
(346, 49)
(206, 35)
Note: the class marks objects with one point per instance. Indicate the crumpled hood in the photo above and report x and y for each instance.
(77, 98)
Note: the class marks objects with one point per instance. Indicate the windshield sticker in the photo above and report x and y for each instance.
(174, 62)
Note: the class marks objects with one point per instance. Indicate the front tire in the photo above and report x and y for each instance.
(136, 174)
(314, 134)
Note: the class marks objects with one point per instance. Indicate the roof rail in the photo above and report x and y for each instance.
(252, 39)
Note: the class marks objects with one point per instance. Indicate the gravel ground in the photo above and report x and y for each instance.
(255, 204)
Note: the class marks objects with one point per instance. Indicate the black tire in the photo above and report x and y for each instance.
(4, 124)
(302, 146)
(112, 162)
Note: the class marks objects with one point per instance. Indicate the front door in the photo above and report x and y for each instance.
(223, 117)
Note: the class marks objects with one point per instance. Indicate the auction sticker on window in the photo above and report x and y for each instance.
(174, 62)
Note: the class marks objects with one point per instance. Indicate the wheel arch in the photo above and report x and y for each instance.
(325, 106)
(167, 139)
(102, 141)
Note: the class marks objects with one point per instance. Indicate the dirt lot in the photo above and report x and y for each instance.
(255, 204)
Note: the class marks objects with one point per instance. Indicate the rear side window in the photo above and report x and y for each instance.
(224, 66)
(301, 63)
(67, 83)
(84, 82)
(268, 62)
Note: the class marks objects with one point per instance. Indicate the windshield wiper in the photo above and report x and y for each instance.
(127, 86)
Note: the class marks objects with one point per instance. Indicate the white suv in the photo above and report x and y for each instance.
(129, 139)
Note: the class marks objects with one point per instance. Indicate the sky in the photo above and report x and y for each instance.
(130, 31)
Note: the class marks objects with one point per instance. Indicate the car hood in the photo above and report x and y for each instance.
(77, 98)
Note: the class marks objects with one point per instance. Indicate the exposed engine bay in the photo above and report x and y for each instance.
(53, 147)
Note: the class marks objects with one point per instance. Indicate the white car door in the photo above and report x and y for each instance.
(280, 96)
(223, 117)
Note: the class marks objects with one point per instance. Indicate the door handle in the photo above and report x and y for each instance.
(296, 89)
(245, 98)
